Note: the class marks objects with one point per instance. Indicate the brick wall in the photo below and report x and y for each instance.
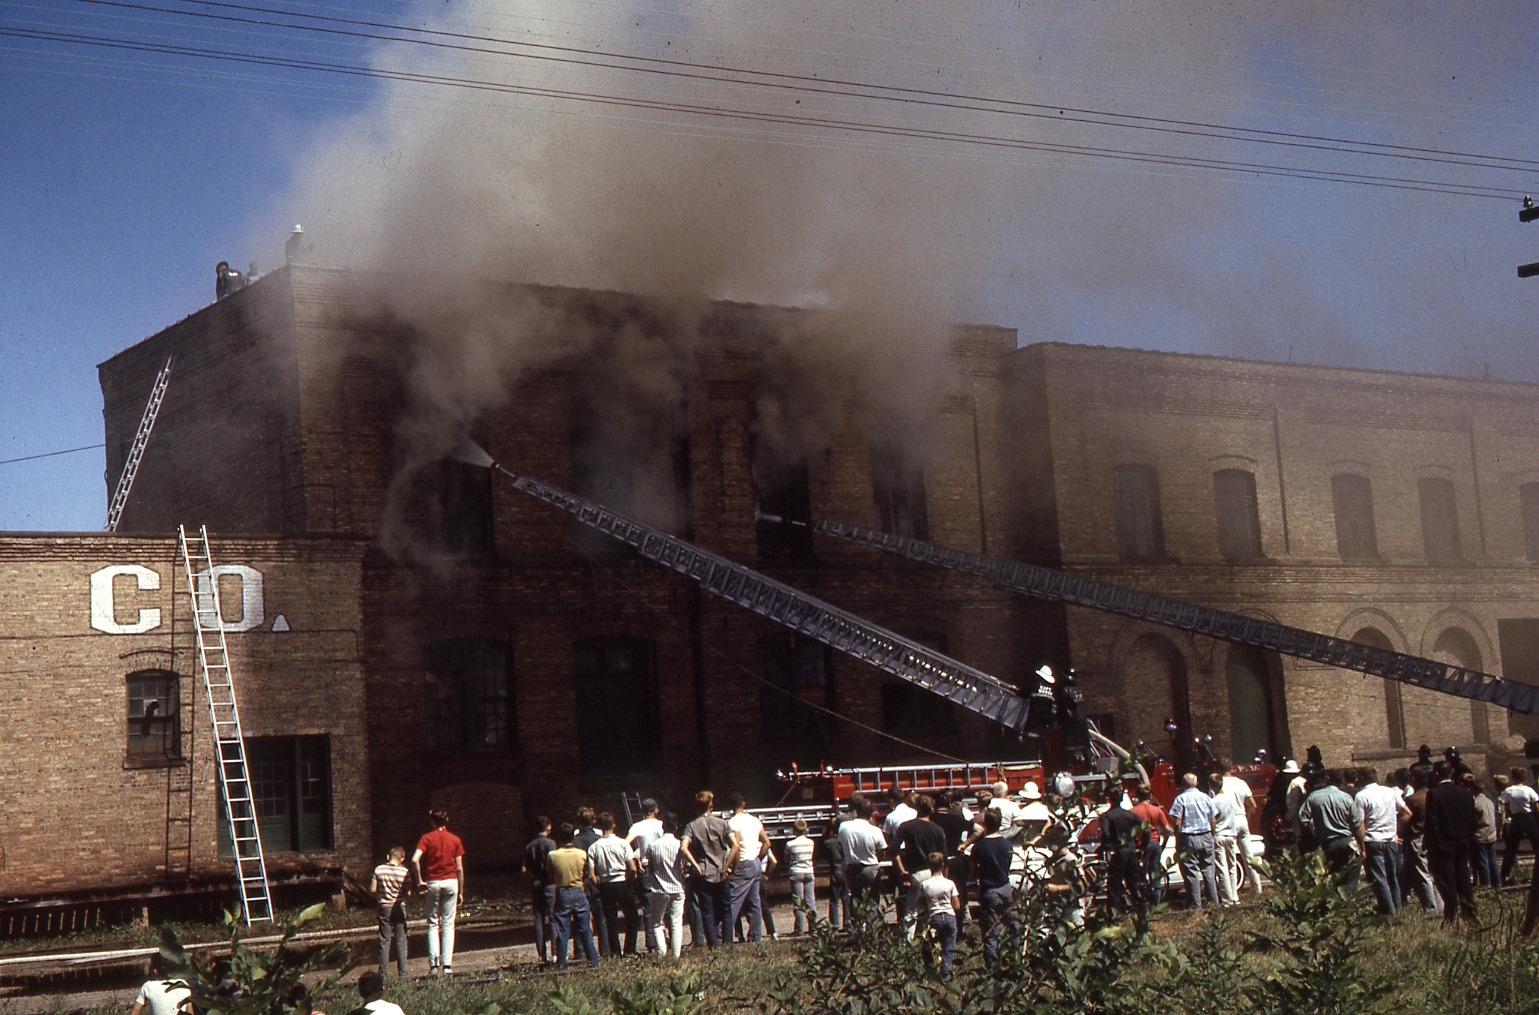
(80, 814)
(1293, 427)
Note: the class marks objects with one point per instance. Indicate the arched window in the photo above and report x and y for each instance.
(619, 732)
(1255, 702)
(1394, 691)
(154, 717)
(1356, 537)
(1156, 668)
(1457, 647)
(469, 696)
(1140, 529)
(1239, 523)
(1439, 520)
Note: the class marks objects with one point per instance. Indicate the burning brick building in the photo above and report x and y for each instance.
(457, 643)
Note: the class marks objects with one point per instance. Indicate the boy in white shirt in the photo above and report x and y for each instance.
(942, 903)
(799, 853)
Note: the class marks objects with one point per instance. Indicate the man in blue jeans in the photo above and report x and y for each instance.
(996, 898)
(1192, 814)
(566, 870)
(1377, 811)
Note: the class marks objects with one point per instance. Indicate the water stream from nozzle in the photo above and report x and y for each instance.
(471, 453)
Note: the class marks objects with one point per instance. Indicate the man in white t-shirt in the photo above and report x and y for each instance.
(900, 812)
(639, 836)
(1008, 809)
(753, 864)
(371, 986)
(864, 847)
(1031, 819)
(1519, 803)
(1239, 791)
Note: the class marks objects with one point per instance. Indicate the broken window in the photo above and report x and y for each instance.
(154, 717)
(897, 486)
(782, 509)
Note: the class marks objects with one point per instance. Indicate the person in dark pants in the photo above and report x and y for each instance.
(996, 898)
(710, 849)
(566, 871)
(1125, 883)
(541, 894)
(587, 834)
(1450, 830)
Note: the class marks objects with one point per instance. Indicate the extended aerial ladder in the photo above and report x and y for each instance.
(229, 740)
(136, 450)
(1077, 590)
(884, 649)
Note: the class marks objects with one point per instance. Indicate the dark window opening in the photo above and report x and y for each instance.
(1356, 537)
(1239, 522)
(1528, 497)
(909, 710)
(897, 486)
(1439, 520)
(1255, 703)
(795, 672)
(469, 696)
(619, 732)
(637, 465)
(1140, 530)
(154, 717)
(290, 780)
(782, 509)
(1394, 691)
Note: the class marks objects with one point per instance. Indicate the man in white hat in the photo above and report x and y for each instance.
(1297, 791)
(1034, 816)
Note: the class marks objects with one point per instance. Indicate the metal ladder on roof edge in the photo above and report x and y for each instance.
(229, 741)
(136, 452)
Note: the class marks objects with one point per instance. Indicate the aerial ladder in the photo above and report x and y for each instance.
(1077, 590)
(229, 740)
(136, 450)
(839, 629)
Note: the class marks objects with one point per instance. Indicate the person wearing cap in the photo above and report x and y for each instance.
(1192, 814)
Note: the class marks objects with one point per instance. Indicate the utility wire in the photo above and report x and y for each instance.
(719, 112)
(50, 454)
(580, 56)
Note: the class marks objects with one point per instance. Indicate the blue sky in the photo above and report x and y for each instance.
(129, 174)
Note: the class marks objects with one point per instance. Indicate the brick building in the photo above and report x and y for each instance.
(110, 784)
(517, 663)
(1394, 509)
(506, 661)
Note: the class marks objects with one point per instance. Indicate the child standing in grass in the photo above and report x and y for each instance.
(388, 887)
(942, 903)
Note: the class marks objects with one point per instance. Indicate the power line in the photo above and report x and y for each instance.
(838, 87)
(51, 454)
(802, 120)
